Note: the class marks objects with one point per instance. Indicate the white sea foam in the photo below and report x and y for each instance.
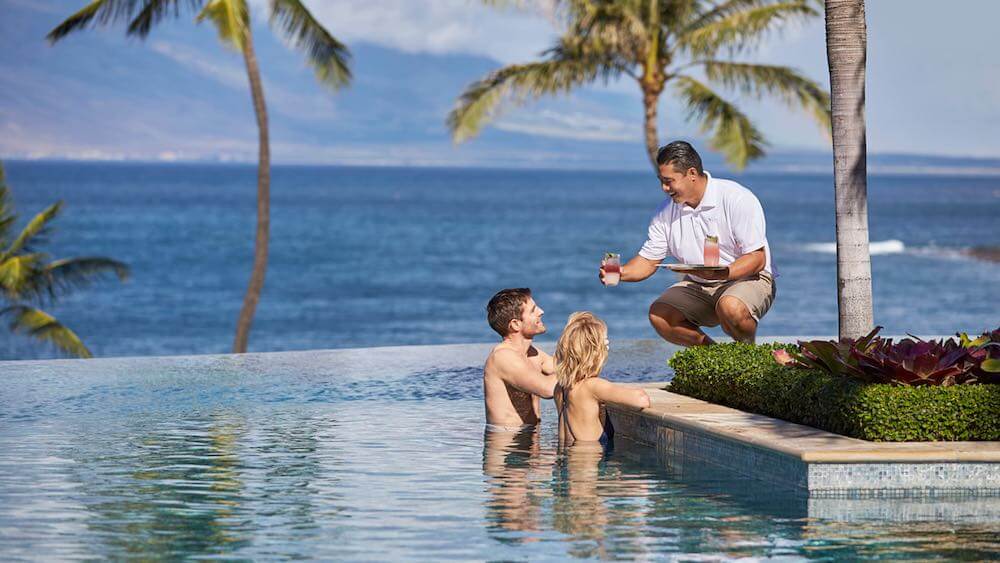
(891, 246)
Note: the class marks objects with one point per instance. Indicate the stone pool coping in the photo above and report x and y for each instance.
(683, 429)
(811, 445)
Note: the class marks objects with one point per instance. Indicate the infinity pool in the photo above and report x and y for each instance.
(380, 453)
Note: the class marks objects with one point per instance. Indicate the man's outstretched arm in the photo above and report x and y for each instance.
(636, 269)
(523, 377)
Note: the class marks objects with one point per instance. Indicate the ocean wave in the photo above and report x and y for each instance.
(892, 246)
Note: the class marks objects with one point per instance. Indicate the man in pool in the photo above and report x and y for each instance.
(517, 375)
(700, 206)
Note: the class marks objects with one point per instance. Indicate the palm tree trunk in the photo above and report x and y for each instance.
(846, 41)
(652, 84)
(252, 296)
(649, 101)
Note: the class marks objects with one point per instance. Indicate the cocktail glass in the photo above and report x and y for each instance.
(711, 250)
(612, 264)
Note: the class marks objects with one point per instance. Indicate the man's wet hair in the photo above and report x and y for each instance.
(681, 155)
(505, 306)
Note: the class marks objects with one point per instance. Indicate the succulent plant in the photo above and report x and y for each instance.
(830, 356)
(915, 362)
(911, 361)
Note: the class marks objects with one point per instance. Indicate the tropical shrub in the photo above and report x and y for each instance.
(985, 353)
(747, 377)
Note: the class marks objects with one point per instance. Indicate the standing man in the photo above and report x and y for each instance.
(701, 206)
(516, 374)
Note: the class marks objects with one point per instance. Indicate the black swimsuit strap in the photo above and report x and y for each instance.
(562, 411)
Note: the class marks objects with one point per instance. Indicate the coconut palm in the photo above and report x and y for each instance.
(328, 56)
(687, 44)
(28, 277)
(846, 43)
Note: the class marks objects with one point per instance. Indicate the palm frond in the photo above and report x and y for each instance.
(784, 82)
(742, 29)
(481, 101)
(140, 15)
(606, 29)
(19, 276)
(329, 57)
(733, 134)
(97, 11)
(71, 273)
(43, 326)
(155, 11)
(33, 232)
(231, 19)
(707, 13)
(7, 216)
(675, 15)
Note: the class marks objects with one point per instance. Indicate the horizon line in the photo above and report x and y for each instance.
(972, 166)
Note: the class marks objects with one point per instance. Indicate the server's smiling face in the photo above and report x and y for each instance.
(679, 185)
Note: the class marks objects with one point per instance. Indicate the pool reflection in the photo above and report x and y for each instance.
(517, 473)
(213, 484)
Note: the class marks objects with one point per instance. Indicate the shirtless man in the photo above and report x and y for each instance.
(517, 374)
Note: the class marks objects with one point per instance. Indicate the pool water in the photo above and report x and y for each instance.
(380, 453)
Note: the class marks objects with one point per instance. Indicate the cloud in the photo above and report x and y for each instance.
(439, 26)
(308, 106)
(577, 126)
(228, 75)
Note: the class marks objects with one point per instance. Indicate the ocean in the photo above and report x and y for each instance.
(364, 257)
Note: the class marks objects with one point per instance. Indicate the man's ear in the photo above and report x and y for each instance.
(692, 172)
(514, 327)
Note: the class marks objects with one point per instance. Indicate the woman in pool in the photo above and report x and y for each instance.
(581, 353)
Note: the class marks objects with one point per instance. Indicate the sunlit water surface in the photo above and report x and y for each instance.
(376, 454)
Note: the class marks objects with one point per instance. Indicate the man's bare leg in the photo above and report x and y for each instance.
(736, 319)
(671, 325)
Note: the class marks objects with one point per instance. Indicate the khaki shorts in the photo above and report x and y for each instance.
(696, 301)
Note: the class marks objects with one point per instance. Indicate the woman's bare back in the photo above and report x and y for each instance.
(580, 413)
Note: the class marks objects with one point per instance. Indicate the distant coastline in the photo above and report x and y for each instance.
(793, 162)
(987, 253)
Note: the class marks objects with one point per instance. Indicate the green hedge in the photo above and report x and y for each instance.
(745, 377)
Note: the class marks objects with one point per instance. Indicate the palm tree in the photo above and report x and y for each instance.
(28, 276)
(846, 41)
(656, 43)
(291, 19)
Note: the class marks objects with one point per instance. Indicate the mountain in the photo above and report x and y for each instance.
(181, 95)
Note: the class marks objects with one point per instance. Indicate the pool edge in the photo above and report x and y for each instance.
(802, 457)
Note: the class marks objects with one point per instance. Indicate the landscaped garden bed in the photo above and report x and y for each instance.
(873, 388)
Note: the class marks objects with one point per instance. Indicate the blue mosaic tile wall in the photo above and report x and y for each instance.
(831, 480)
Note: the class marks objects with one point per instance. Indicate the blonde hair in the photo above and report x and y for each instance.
(581, 351)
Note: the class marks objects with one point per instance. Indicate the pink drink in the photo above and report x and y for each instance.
(612, 268)
(711, 250)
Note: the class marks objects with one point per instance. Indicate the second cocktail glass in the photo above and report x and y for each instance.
(711, 250)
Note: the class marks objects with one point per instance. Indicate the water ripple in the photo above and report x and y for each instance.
(338, 456)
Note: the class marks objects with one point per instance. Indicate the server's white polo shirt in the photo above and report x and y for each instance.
(727, 210)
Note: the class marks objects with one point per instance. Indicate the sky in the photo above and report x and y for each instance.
(933, 88)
